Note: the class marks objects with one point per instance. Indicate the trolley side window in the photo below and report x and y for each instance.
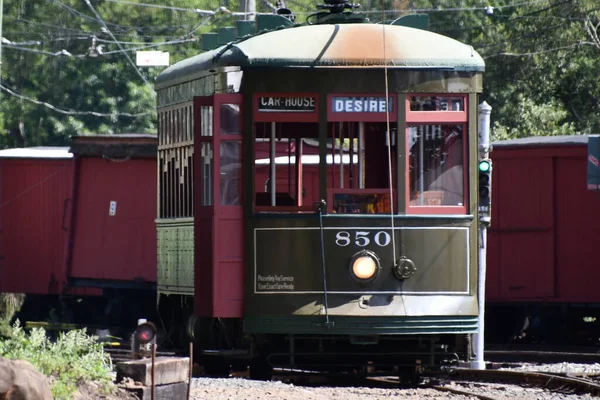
(437, 142)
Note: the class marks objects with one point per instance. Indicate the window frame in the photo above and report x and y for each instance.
(438, 118)
(281, 117)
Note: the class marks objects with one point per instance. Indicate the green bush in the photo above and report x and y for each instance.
(72, 359)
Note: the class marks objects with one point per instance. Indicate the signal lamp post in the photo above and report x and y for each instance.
(484, 211)
(144, 338)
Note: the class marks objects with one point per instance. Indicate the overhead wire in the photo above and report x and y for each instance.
(533, 53)
(60, 28)
(72, 112)
(118, 44)
(210, 14)
(432, 10)
(66, 53)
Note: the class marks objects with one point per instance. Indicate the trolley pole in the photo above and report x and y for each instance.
(484, 211)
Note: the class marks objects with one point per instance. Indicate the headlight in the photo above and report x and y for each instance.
(364, 266)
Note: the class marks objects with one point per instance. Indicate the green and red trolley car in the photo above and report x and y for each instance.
(373, 265)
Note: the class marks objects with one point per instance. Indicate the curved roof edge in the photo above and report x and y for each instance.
(543, 141)
(323, 46)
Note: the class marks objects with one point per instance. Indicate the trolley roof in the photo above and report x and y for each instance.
(542, 141)
(340, 45)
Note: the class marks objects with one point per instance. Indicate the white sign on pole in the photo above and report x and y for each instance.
(152, 58)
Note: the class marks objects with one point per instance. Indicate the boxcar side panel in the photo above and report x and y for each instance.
(118, 245)
(522, 234)
(34, 224)
(577, 232)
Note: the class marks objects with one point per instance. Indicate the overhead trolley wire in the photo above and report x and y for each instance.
(72, 112)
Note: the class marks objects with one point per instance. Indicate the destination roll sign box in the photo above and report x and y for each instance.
(362, 104)
(286, 104)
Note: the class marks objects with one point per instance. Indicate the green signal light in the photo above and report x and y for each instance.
(484, 166)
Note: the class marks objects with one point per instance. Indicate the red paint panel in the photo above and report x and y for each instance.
(525, 193)
(218, 231)
(34, 207)
(493, 287)
(521, 239)
(229, 272)
(525, 266)
(121, 246)
(577, 232)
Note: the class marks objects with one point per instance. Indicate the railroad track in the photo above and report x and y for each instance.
(541, 356)
(540, 380)
(446, 389)
(569, 384)
(546, 381)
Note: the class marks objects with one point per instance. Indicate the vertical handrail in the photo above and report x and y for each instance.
(322, 206)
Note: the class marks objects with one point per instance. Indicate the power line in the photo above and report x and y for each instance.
(104, 53)
(62, 52)
(533, 53)
(431, 10)
(116, 41)
(79, 31)
(72, 112)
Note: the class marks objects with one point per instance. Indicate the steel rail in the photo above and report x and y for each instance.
(462, 392)
(395, 381)
(536, 379)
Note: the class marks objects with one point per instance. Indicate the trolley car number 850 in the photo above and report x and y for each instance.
(362, 238)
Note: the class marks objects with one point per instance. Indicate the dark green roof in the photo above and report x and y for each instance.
(343, 45)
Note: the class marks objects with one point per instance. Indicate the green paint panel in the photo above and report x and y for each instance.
(176, 256)
(210, 41)
(440, 255)
(285, 275)
(226, 35)
(418, 21)
(593, 179)
(245, 28)
(361, 326)
(269, 22)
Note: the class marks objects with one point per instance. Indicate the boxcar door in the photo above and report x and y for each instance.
(218, 216)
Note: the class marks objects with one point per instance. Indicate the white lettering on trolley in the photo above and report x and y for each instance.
(361, 105)
(362, 238)
(275, 282)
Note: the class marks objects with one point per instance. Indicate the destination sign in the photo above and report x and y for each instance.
(286, 104)
(361, 104)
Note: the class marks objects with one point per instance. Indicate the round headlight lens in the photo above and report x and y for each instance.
(364, 266)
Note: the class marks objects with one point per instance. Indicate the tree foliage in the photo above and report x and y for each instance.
(70, 361)
(541, 60)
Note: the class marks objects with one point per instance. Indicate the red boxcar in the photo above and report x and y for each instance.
(35, 188)
(542, 255)
(114, 237)
(80, 221)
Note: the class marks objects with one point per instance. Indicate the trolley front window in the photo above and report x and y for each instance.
(359, 175)
(436, 146)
